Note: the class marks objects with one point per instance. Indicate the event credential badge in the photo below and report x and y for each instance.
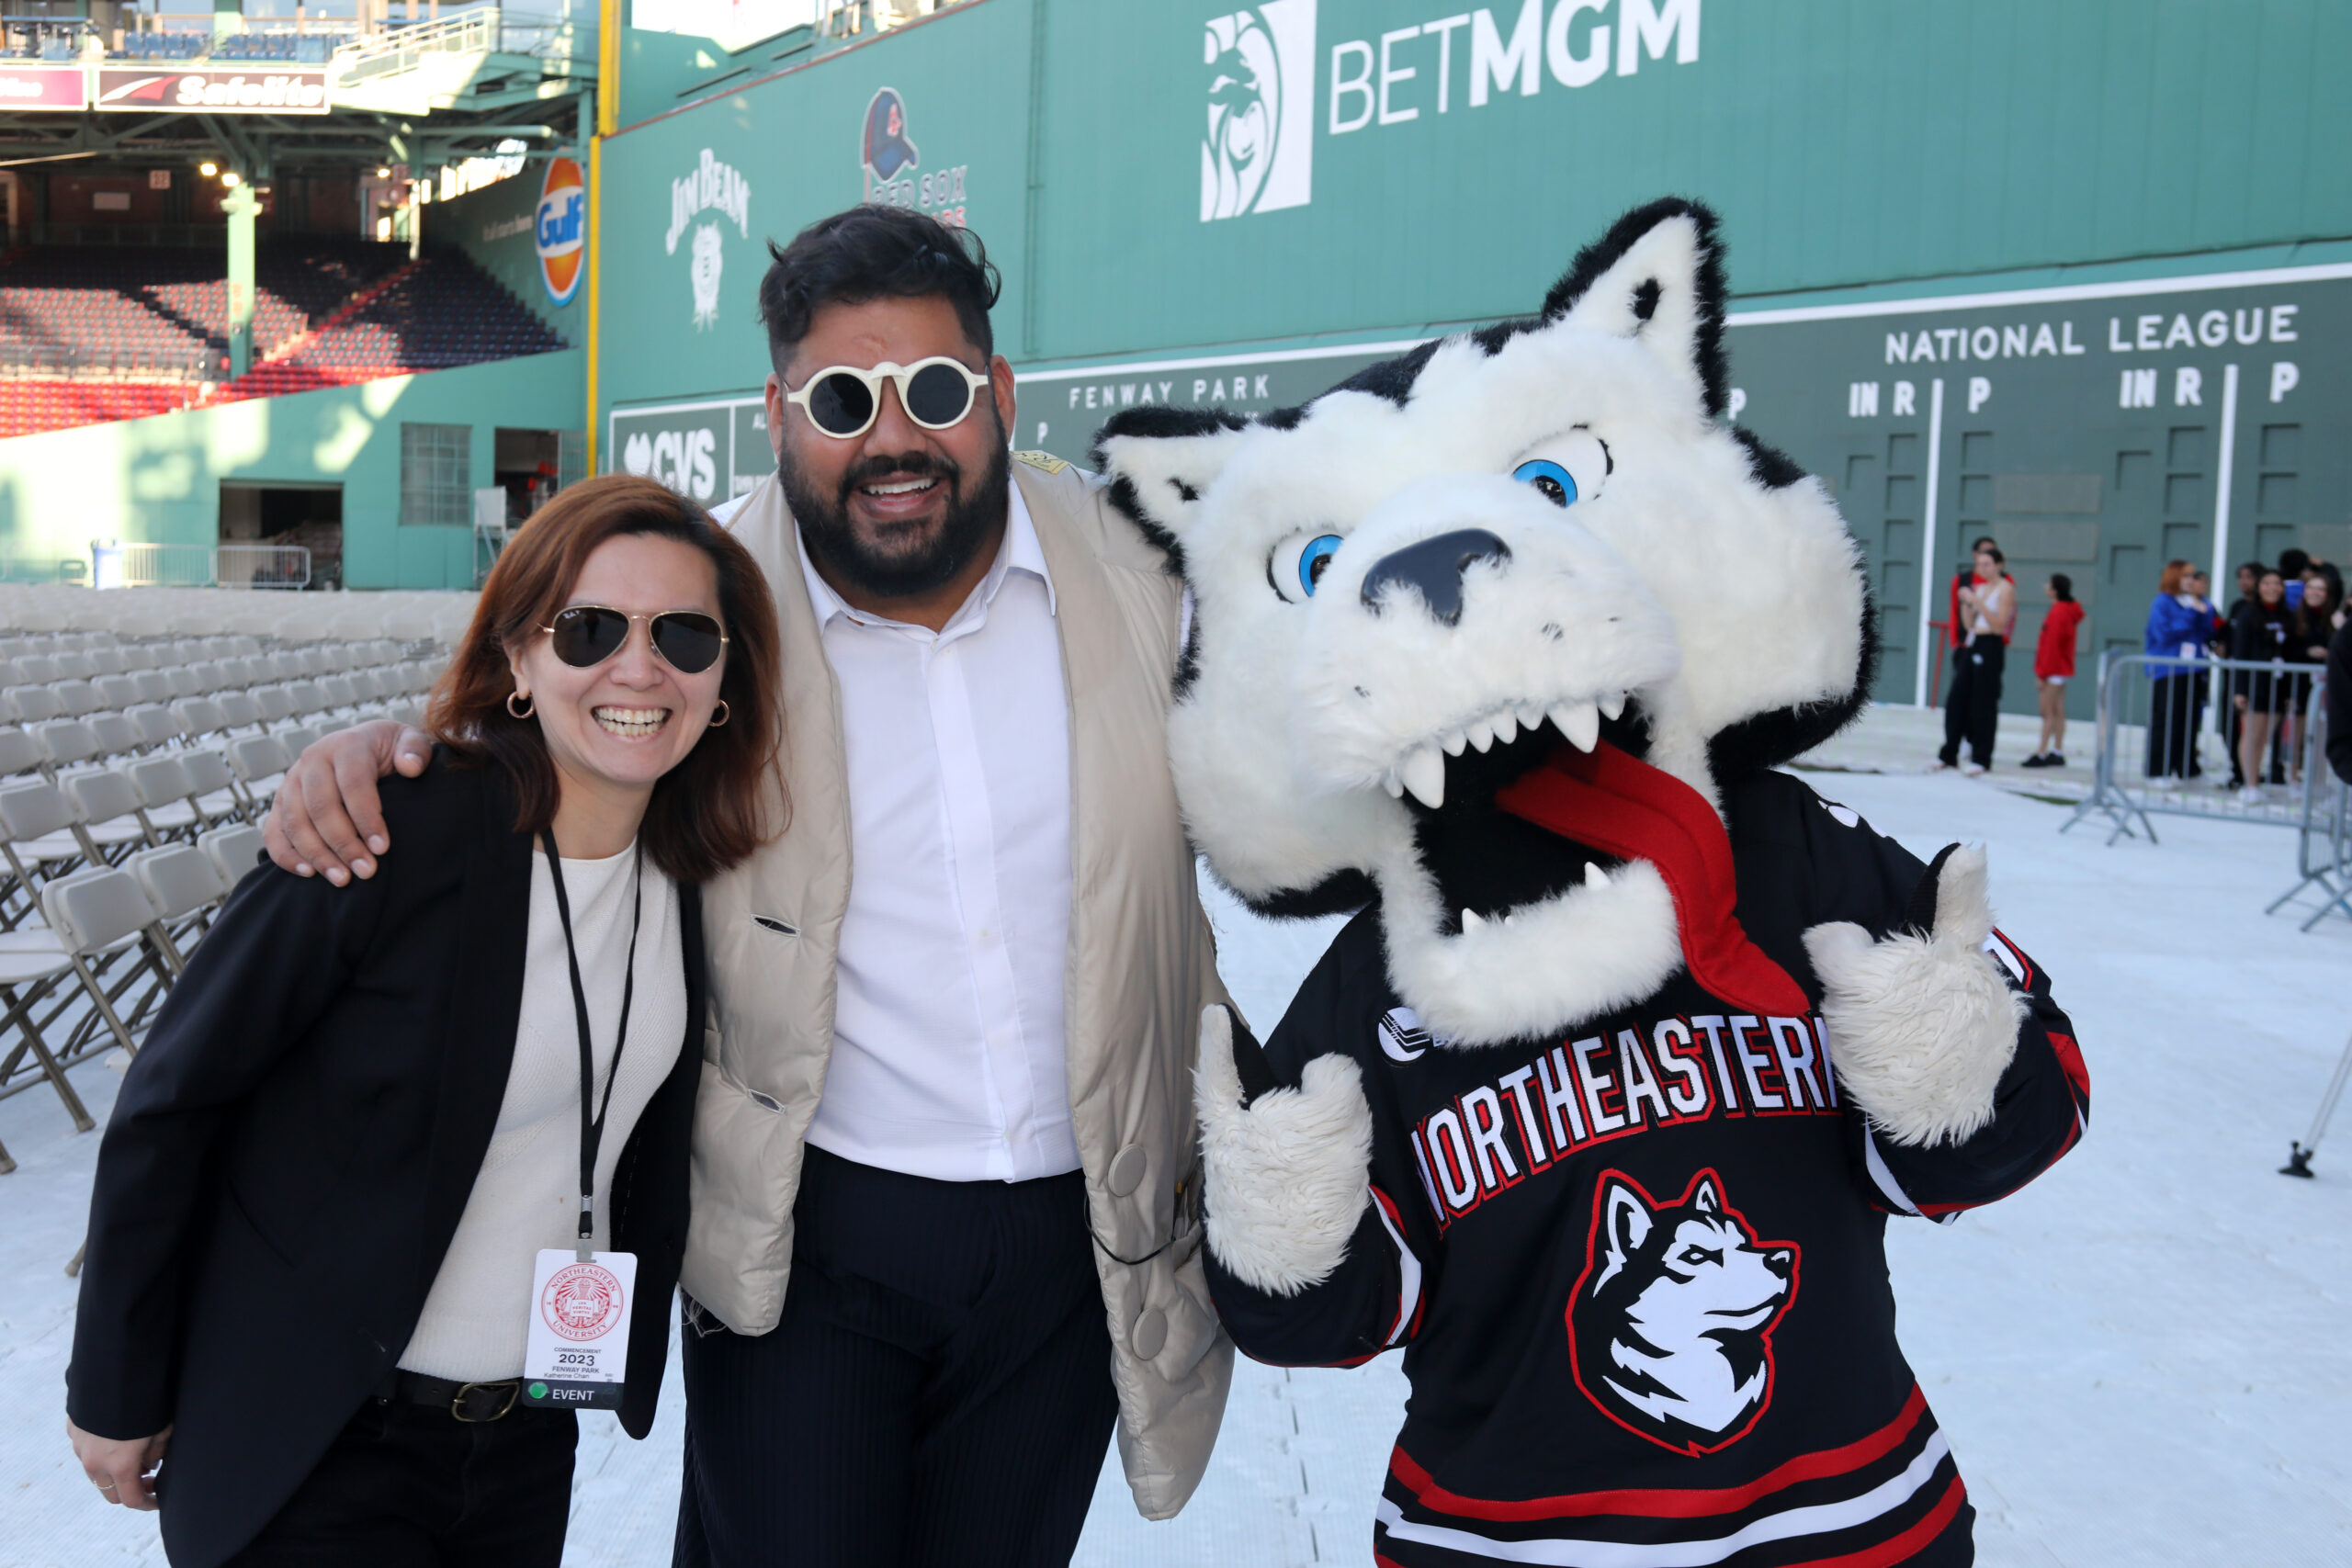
(578, 1352)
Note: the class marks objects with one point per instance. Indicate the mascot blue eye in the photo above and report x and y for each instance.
(1558, 485)
(1315, 559)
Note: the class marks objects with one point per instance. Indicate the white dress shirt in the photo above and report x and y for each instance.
(948, 1057)
(526, 1195)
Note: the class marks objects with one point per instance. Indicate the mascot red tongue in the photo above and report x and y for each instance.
(1609, 801)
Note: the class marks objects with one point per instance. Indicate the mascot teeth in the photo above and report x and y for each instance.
(1580, 722)
(1471, 919)
(1593, 875)
(1424, 774)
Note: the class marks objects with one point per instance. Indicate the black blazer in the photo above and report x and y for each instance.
(292, 1149)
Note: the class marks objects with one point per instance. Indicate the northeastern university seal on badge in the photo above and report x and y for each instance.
(582, 1302)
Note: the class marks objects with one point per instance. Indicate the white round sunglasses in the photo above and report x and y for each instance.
(842, 400)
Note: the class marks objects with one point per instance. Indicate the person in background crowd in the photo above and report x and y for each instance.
(364, 1116)
(2053, 665)
(2199, 585)
(2259, 632)
(1988, 605)
(2307, 643)
(2335, 578)
(2179, 623)
(1955, 624)
(2292, 564)
(2249, 576)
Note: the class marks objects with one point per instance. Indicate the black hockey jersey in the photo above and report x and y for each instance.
(1639, 1270)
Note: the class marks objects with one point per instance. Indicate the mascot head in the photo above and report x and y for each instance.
(1411, 591)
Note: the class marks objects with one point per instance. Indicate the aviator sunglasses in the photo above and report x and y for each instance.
(842, 400)
(586, 635)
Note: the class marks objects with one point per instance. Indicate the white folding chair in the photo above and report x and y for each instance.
(71, 664)
(275, 702)
(115, 691)
(259, 762)
(234, 851)
(112, 811)
(154, 685)
(102, 914)
(64, 743)
(214, 786)
(36, 668)
(34, 703)
(184, 885)
(199, 715)
(19, 752)
(76, 697)
(116, 736)
(154, 721)
(166, 793)
(238, 710)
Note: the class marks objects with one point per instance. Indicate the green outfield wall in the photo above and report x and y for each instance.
(159, 479)
(1196, 204)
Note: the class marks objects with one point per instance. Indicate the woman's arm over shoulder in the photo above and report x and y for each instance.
(280, 951)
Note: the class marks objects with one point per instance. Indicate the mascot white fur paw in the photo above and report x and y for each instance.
(1923, 1024)
(1287, 1165)
(1600, 1103)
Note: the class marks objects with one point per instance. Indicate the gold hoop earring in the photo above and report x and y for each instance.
(525, 711)
(718, 718)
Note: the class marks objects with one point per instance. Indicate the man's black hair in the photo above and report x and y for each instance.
(2293, 561)
(1983, 543)
(876, 253)
(2063, 586)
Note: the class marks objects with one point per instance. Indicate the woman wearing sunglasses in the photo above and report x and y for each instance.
(399, 1180)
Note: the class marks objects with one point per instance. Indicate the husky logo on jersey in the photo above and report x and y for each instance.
(1670, 1327)
(1259, 154)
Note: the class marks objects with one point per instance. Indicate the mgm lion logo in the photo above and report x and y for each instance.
(1258, 155)
(703, 272)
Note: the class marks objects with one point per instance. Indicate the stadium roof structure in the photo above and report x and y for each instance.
(426, 93)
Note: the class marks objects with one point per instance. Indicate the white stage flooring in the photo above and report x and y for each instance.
(2141, 1359)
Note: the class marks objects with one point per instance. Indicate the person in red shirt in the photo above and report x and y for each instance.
(2053, 665)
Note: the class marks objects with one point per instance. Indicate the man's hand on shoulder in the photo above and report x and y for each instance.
(328, 819)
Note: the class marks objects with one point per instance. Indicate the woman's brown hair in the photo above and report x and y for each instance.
(2169, 583)
(728, 798)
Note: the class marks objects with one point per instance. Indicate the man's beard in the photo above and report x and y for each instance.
(913, 563)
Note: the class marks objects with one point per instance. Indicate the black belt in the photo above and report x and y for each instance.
(468, 1402)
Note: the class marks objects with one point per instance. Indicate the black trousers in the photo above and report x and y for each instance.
(1972, 712)
(937, 1393)
(411, 1486)
(2173, 708)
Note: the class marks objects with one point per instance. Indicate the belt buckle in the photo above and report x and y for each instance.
(513, 1387)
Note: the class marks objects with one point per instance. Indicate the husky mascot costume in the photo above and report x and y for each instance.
(1600, 1104)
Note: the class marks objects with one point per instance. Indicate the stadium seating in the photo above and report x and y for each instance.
(90, 333)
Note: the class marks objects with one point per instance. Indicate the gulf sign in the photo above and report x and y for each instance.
(562, 229)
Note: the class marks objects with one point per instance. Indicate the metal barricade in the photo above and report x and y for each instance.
(262, 566)
(2324, 844)
(2166, 727)
(140, 564)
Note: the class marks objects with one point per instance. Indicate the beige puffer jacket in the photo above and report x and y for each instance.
(1142, 964)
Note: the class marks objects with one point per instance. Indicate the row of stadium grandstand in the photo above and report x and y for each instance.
(90, 333)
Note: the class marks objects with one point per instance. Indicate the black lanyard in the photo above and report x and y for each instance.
(592, 1128)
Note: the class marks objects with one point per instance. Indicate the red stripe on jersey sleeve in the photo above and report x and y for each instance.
(1666, 1502)
(2070, 1061)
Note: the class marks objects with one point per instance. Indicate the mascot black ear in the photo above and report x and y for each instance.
(1161, 461)
(1656, 277)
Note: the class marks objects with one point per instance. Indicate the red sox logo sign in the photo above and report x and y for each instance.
(582, 1302)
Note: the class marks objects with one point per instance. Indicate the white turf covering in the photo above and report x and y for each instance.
(2141, 1359)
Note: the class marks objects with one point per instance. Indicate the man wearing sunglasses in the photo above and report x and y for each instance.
(944, 1232)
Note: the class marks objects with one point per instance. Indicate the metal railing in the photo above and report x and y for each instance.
(403, 47)
(2167, 728)
(2324, 838)
(141, 565)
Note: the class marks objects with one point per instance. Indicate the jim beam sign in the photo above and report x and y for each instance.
(211, 90)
